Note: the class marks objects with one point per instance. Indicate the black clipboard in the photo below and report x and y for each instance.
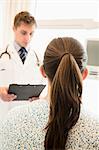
(24, 92)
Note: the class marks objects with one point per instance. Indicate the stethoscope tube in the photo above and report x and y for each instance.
(5, 52)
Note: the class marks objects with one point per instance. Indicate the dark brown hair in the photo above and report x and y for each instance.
(64, 61)
(25, 17)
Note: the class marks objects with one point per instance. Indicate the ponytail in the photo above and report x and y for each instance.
(66, 92)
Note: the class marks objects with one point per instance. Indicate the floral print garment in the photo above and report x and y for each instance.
(24, 129)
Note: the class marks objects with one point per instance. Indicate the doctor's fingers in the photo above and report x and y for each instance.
(8, 97)
(33, 99)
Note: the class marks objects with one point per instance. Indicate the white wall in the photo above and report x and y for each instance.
(43, 36)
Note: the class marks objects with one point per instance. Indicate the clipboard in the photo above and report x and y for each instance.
(24, 92)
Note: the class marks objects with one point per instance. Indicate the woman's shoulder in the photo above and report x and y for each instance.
(30, 109)
(36, 111)
(85, 134)
(24, 124)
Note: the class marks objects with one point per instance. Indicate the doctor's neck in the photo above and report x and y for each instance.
(18, 46)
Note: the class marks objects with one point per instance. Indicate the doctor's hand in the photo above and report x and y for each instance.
(5, 96)
(33, 99)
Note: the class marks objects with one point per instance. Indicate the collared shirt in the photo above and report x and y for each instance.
(18, 47)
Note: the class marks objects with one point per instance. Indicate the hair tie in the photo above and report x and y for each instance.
(66, 53)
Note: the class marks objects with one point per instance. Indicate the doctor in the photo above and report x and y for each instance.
(22, 67)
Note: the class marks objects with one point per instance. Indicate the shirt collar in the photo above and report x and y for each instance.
(17, 46)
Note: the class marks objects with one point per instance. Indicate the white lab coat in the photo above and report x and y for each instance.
(13, 71)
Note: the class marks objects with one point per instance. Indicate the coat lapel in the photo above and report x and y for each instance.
(14, 55)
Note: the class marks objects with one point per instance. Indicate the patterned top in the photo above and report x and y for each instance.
(23, 129)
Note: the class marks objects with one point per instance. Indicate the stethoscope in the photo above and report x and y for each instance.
(7, 53)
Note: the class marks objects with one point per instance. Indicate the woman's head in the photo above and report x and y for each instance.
(59, 47)
(64, 62)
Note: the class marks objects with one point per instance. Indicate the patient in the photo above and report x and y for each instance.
(57, 121)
